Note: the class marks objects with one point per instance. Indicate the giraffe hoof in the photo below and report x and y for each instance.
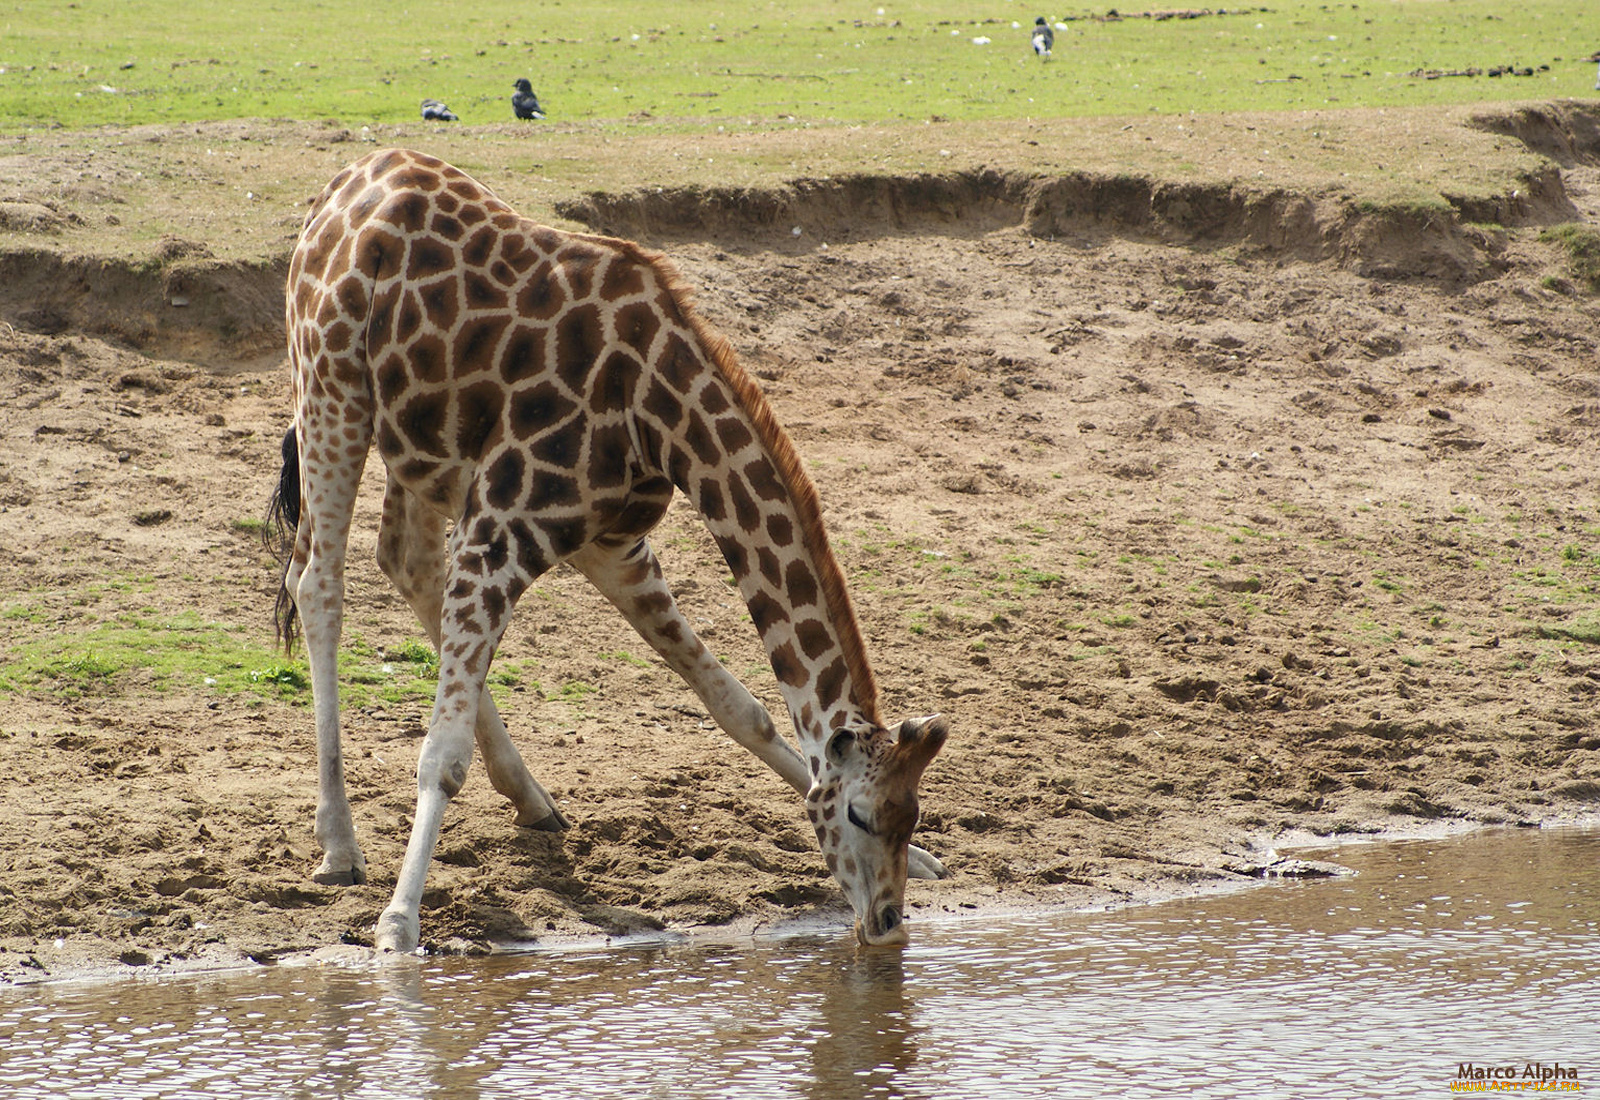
(397, 931)
(920, 864)
(553, 822)
(327, 875)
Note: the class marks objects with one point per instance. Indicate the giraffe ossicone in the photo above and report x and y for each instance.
(537, 396)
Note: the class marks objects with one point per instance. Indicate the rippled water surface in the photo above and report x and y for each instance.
(1482, 950)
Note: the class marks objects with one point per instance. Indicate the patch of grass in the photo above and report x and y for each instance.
(154, 653)
(23, 613)
(1582, 246)
(415, 652)
(508, 674)
(83, 673)
(285, 676)
(576, 691)
(182, 652)
(1585, 630)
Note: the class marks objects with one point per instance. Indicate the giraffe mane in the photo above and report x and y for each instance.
(786, 460)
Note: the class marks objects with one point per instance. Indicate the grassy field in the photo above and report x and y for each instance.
(700, 65)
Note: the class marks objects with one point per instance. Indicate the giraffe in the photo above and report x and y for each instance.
(537, 396)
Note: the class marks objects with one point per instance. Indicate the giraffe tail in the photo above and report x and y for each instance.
(283, 518)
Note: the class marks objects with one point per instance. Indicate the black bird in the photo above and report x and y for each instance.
(524, 103)
(434, 111)
(1043, 38)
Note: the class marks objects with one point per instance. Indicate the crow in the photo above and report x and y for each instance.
(1043, 38)
(524, 103)
(434, 111)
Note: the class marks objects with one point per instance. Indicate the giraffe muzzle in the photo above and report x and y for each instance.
(886, 927)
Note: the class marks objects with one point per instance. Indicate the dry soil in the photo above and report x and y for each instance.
(1209, 525)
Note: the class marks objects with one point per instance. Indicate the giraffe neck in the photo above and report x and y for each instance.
(738, 467)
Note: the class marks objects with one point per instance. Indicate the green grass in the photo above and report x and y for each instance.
(178, 653)
(1582, 245)
(154, 653)
(1585, 630)
(709, 63)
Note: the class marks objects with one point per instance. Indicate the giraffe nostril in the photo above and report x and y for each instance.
(890, 918)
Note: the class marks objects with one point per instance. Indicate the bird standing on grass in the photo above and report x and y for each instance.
(1043, 38)
(524, 103)
(434, 111)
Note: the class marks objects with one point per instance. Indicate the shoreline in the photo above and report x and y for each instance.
(742, 934)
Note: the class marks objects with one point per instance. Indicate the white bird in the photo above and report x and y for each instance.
(1043, 38)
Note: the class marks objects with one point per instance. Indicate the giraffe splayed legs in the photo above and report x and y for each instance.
(542, 395)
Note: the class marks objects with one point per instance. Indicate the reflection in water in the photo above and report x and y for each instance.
(1485, 949)
(864, 1041)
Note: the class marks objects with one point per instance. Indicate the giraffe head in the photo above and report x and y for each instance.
(863, 804)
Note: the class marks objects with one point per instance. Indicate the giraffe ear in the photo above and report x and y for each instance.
(842, 744)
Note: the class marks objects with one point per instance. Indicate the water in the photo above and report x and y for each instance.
(1483, 950)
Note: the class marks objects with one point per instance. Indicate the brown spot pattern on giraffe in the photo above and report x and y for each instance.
(545, 390)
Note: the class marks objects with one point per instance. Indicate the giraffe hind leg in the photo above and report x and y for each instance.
(411, 547)
(330, 476)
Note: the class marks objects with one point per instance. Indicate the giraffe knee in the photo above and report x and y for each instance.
(764, 730)
(453, 778)
(442, 770)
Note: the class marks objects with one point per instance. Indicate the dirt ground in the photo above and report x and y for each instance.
(1203, 545)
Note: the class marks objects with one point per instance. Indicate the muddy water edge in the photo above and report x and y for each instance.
(1434, 960)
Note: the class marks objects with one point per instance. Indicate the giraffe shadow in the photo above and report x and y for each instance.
(496, 914)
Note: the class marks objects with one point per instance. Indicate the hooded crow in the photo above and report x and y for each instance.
(434, 111)
(524, 103)
(1043, 38)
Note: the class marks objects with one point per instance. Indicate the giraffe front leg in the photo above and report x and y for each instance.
(630, 577)
(488, 571)
(441, 771)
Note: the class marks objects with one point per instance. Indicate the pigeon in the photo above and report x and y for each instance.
(524, 103)
(434, 111)
(1043, 38)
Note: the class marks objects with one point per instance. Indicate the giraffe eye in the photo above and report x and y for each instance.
(856, 820)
